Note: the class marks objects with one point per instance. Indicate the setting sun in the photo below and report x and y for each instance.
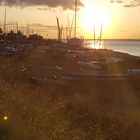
(93, 15)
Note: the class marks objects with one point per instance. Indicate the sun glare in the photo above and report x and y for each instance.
(93, 16)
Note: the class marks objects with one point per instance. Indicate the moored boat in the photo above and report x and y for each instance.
(75, 41)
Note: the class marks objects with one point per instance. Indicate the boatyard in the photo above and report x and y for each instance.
(72, 79)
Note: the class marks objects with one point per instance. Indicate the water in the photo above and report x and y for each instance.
(130, 47)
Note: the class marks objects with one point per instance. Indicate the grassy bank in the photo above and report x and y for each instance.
(83, 109)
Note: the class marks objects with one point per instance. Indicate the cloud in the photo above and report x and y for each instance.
(128, 3)
(65, 4)
(117, 1)
(132, 4)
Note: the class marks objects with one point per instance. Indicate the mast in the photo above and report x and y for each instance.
(17, 33)
(27, 34)
(59, 30)
(68, 27)
(4, 22)
(94, 36)
(71, 26)
(66, 32)
(100, 35)
(75, 18)
(27, 30)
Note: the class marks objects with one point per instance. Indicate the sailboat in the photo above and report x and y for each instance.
(75, 42)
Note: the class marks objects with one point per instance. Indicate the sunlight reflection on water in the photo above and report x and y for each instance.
(95, 45)
(130, 47)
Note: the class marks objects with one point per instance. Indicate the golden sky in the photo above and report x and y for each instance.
(119, 21)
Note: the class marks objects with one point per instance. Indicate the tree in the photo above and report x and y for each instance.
(35, 39)
(1, 32)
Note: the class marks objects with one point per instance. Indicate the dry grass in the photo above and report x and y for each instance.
(78, 110)
(91, 113)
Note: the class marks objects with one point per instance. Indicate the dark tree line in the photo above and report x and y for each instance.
(14, 38)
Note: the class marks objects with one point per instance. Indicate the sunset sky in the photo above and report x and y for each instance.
(120, 19)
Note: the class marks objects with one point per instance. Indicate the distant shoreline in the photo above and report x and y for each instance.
(117, 39)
